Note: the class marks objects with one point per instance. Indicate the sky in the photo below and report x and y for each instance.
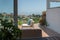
(6, 6)
(31, 6)
(26, 6)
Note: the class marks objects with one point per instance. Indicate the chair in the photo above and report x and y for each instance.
(31, 33)
(29, 24)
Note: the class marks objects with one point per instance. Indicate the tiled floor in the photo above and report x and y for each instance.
(35, 39)
(50, 32)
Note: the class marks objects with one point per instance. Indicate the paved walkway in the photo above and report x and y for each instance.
(36, 26)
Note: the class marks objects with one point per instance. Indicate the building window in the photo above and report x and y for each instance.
(54, 4)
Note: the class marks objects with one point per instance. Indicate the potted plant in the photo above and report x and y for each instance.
(9, 32)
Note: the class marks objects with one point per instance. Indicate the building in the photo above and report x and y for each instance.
(53, 16)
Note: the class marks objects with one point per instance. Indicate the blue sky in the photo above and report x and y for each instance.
(6, 6)
(31, 6)
(25, 6)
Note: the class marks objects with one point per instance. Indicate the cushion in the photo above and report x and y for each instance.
(25, 25)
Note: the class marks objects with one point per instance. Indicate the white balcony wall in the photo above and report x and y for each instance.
(53, 19)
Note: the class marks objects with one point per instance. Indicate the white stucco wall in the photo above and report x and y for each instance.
(53, 19)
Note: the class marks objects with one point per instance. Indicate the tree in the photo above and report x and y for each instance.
(44, 13)
(43, 19)
(33, 15)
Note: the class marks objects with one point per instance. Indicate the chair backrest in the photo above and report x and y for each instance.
(29, 22)
(31, 33)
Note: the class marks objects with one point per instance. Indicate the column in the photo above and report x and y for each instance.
(16, 13)
(48, 4)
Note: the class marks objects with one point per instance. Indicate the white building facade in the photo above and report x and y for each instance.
(53, 16)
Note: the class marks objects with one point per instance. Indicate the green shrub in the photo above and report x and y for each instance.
(20, 22)
(36, 20)
(9, 32)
